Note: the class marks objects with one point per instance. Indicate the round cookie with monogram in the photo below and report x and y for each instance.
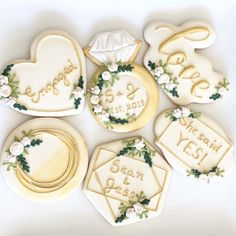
(122, 95)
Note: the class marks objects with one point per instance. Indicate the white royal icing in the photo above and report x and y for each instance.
(112, 46)
(115, 178)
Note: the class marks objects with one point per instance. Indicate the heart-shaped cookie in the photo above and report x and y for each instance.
(183, 74)
(52, 82)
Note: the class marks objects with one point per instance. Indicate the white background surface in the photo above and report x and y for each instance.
(190, 208)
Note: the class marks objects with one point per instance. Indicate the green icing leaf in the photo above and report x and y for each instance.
(35, 142)
(77, 103)
(215, 96)
(147, 158)
(174, 92)
(120, 218)
(124, 68)
(19, 107)
(23, 163)
(152, 65)
(115, 120)
(7, 70)
(80, 84)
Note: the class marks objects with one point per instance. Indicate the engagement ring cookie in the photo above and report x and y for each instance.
(193, 144)
(122, 96)
(44, 159)
(183, 74)
(51, 83)
(127, 181)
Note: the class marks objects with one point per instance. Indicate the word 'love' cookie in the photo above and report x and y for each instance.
(44, 159)
(122, 96)
(127, 181)
(193, 144)
(184, 75)
(52, 82)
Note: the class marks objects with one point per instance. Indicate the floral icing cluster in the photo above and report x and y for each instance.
(221, 89)
(78, 92)
(133, 209)
(182, 112)
(206, 176)
(9, 88)
(164, 78)
(105, 79)
(18, 150)
(137, 147)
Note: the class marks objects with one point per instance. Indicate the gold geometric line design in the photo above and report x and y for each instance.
(137, 159)
(108, 203)
(159, 185)
(110, 197)
(103, 149)
(106, 197)
(160, 192)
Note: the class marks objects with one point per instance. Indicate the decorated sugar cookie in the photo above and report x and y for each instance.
(122, 96)
(127, 181)
(193, 144)
(51, 83)
(183, 74)
(44, 159)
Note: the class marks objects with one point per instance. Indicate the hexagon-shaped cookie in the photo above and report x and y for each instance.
(127, 181)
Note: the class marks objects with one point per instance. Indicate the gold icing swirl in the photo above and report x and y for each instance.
(66, 176)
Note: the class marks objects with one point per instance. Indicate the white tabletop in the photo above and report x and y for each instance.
(191, 208)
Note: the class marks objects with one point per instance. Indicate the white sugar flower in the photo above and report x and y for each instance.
(98, 108)
(16, 148)
(163, 79)
(9, 101)
(203, 178)
(78, 93)
(5, 91)
(139, 144)
(158, 71)
(26, 141)
(177, 113)
(94, 99)
(104, 116)
(130, 212)
(106, 75)
(211, 175)
(170, 85)
(138, 208)
(11, 158)
(95, 90)
(3, 80)
(112, 67)
(185, 111)
(222, 90)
